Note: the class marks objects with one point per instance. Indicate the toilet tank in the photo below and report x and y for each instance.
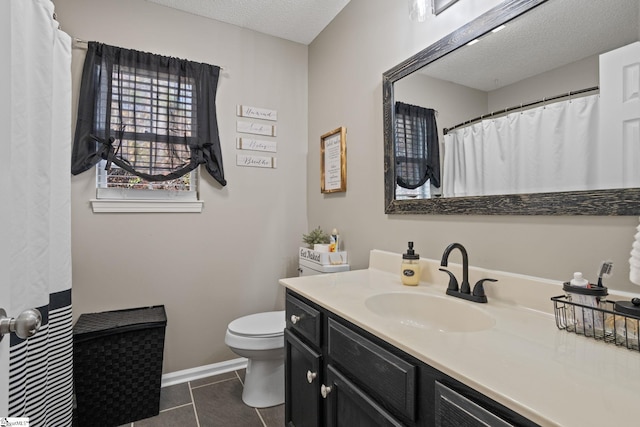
(312, 262)
(308, 268)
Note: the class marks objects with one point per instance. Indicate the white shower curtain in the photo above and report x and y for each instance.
(35, 244)
(537, 150)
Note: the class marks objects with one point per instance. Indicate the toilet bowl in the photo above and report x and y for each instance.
(260, 338)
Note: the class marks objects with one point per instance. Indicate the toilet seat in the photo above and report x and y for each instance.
(259, 325)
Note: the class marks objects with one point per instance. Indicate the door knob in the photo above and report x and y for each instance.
(325, 390)
(25, 325)
(311, 376)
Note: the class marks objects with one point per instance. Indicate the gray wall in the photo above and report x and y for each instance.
(212, 267)
(575, 76)
(454, 103)
(346, 63)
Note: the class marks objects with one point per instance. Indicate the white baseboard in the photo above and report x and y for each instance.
(173, 378)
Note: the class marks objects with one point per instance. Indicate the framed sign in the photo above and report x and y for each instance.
(333, 161)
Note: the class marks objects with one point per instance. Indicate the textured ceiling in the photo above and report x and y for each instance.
(557, 33)
(296, 20)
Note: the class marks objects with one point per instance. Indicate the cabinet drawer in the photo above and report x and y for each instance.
(391, 379)
(455, 410)
(304, 319)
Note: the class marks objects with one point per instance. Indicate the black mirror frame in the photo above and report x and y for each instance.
(596, 202)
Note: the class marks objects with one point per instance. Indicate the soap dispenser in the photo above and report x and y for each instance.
(410, 271)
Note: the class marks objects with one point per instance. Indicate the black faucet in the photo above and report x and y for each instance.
(464, 291)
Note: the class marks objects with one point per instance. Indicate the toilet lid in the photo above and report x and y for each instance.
(271, 323)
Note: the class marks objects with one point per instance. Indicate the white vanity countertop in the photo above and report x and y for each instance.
(552, 377)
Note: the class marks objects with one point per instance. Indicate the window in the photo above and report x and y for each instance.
(416, 151)
(117, 183)
(145, 108)
(148, 122)
(422, 192)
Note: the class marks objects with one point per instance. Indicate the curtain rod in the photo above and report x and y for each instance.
(79, 44)
(521, 106)
(83, 44)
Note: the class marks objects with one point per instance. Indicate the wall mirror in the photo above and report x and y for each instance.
(547, 48)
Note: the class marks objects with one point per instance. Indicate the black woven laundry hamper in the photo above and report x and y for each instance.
(117, 362)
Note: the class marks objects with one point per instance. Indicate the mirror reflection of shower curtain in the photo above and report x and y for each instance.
(548, 148)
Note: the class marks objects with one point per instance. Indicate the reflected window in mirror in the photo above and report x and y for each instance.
(417, 151)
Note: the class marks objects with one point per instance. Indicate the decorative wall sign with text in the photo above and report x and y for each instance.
(256, 128)
(333, 161)
(256, 161)
(256, 113)
(256, 144)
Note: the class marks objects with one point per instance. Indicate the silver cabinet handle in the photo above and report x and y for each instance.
(325, 390)
(25, 325)
(311, 376)
(295, 319)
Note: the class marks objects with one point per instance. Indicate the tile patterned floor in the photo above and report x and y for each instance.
(210, 402)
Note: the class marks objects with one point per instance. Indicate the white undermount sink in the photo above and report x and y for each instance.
(445, 314)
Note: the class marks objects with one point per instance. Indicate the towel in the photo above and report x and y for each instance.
(634, 261)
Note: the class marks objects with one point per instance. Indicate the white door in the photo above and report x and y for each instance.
(35, 241)
(620, 117)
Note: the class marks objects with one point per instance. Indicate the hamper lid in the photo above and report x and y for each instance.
(91, 325)
(260, 324)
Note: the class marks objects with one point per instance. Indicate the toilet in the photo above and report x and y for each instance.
(260, 338)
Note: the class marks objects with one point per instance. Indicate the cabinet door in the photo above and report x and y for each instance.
(348, 406)
(387, 377)
(455, 410)
(302, 383)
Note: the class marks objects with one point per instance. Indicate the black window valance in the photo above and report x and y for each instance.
(153, 116)
(417, 150)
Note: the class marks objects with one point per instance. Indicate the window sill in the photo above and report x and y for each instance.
(146, 206)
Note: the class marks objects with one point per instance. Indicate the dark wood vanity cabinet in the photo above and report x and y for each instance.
(339, 375)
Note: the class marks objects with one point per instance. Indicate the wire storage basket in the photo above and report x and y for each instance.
(596, 318)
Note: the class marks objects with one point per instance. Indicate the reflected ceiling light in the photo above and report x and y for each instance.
(495, 30)
(418, 10)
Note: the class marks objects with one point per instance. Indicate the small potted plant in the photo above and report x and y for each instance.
(317, 240)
